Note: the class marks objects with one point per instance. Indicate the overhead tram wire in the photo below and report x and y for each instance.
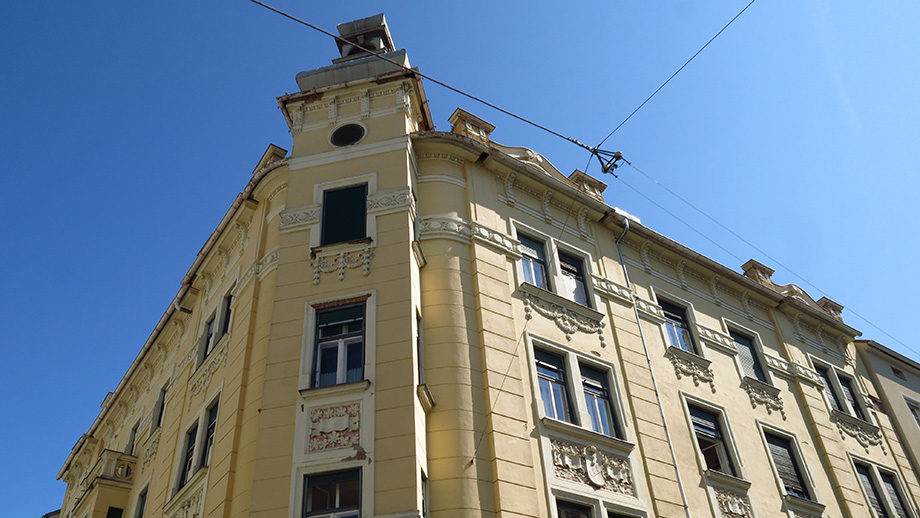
(697, 53)
(745, 241)
(610, 163)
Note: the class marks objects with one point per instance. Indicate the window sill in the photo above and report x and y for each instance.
(865, 433)
(759, 385)
(334, 390)
(689, 356)
(588, 436)
(341, 246)
(424, 397)
(691, 365)
(717, 478)
(800, 505)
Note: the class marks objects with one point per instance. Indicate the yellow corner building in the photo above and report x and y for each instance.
(396, 322)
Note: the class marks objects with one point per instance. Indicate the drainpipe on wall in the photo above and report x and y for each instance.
(648, 359)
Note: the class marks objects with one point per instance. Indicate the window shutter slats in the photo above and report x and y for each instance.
(891, 487)
(865, 478)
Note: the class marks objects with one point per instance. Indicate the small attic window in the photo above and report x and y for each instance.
(898, 373)
(347, 135)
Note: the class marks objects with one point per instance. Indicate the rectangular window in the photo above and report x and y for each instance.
(141, 504)
(159, 411)
(226, 312)
(339, 346)
(872, 494)
(188, 460)
(333, 495)
(534, 262)
(208, 444)
(553, 387)
(787, 465)
(344, 215)
(207, 339)
(573, 278)
(747, 354)
(849, 392)
(829, 391)
(597, 398)
(914, 410)
(132, 439)
(840, 391)
(898, 506)
(709, 437)
(570, 510)
(677, 326)
(114, 512)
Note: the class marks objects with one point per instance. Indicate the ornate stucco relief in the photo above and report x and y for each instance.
(391, 200)
(590, 466)
(568, 319)
(733, 504)
(717, 339)
(342, 261)
(333, 427)
(690, 365)
(150, 450)
(771, 400)
(189, 507)
(451, 227)
(611, 290)
(865, 433)
(300, 217)
(201, 378)
(440, 156)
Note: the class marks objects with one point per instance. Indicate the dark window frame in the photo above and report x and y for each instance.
(553, 386)
(791, 472)
(712, 439)
(336, 479)
(534, 262)
(748, 343)
(677, 319)
(572, 268)
(599, 398)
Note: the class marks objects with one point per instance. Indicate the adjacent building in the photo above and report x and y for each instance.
(397, 322)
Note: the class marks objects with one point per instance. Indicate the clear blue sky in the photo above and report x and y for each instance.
(126, 129)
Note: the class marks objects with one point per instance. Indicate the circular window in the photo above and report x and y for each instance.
(347, 135)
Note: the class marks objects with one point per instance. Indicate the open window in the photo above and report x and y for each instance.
(344, 215)
(711, 439)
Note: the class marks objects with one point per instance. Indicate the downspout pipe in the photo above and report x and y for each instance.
(648, 359)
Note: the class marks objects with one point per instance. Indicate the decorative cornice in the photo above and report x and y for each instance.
(278, 190)
(341, 261)
(301, 217)
(611, 290)
(649, 309)
(570, 317)
(451, 227)
(440, 156)
(716, 339)
(689, 364)
(866, 434)
(391, 200)
(793, 370)
(763, 394)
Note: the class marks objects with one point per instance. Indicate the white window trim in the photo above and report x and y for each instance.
(837, 387)
(692, 323)
(296, 506)
(308, 344)
(731, 325)
(318, 189)
(575, 390)
(554, 269)
(876, 470)
(911, 405)
(728, 438)
(807, 479)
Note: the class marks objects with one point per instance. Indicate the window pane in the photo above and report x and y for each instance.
(678, 327)
(708, 429)
(326, 494)
(891, 487)
(829, 391)
(354, 364)
(534, 261)
(567, 510)
(349, 493)
(328, 364)
(750, 361)
(344, 214)
(597, 399)
(786, 465)
(850, 394)
(574, 278)
(868, 484)
(553, 389)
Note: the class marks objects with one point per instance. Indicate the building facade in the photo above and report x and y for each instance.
(396, 322)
